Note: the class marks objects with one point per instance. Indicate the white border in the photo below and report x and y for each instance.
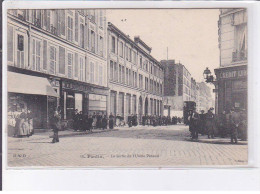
(141, 179)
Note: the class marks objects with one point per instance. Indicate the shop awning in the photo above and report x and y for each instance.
(27, 84)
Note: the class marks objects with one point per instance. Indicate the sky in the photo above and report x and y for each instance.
(191, 35)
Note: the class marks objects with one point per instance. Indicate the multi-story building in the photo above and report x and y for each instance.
(205, 99)
(135, 77)
(57, 53)
(177, 86)
(232, 72)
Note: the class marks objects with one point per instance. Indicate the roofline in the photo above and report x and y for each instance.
(111, 26)
(138, 39)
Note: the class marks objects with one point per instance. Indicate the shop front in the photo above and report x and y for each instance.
(83, 98)
(232, 88)
(26, 92)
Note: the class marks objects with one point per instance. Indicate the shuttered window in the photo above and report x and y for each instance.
(70, 29)
(36, 57)
(100, 75)
(61, 22)
(111, 70)
(91, 72)
(81, 61)
(92, 34)
(53, 60)
(96, 72)
(44, 65)
(82, 35)
(76, 65)
(20, 51)
(47, 16)
(10, 43)
(70, 65)
(76, 26)
(61, 60)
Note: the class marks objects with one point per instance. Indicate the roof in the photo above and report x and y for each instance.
(113, 28)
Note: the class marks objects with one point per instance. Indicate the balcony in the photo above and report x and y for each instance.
(21, 17)
(54, 30)
(37, 22)
(239, 56)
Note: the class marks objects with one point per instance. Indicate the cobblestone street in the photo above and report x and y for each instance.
(166, 146)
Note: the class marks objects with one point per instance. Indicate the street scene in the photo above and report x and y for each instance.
(127, 87)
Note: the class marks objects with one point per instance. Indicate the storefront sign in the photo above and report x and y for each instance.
(233, 74)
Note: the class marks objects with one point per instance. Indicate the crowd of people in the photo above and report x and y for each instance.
(23, 124)
(232, 123)
(155, 120)
(88, 122)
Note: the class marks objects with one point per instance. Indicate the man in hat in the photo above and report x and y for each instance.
(210, 123)
(234, 122)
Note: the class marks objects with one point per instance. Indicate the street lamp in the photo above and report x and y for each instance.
(207, 76)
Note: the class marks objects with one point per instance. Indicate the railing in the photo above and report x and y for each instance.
(37, 22)
(238, 56)
(21, 17)
(53, 30)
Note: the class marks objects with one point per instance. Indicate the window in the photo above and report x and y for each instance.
(92, 46)
(120, 73)
(10, 44)
(126, 53)
(70, 28)
(61, 22)
(127, 76)
(123, 74)
(91, 72)
(36, 55)
(101, 18)
(121, 49)
(61, 60)
(82, 35)
(20, 50)
(130, 77)
(96, 73)
(100, 81)
(130, 55)
(46, 23)
(113, 45)
(76, 65)
(37, 17)
(134, 57)
(111, 70)
(101, 46)
(76, 26)
(44, 65)
(81, 61)
(135, 79)
(116, 72)
(70, 65)
(141, 62)
(53, 60)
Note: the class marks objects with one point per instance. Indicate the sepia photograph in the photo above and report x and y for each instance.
(127, 88)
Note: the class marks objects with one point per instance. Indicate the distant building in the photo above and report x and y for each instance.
(135, 77)
(232, 72)
(205, 99)
(56, 58)
(177, 86)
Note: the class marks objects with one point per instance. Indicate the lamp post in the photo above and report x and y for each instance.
(210, 79)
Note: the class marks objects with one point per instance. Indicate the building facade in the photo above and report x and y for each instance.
(205, 99)
(177, 86)
(232, 72)
(135, 77)
(68, 48)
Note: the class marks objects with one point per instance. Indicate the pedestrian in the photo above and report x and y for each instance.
(94, 123)
(194, 125)
(135, 120)
(130, 120)
(80, 121)
(30, 122)
(235, 121)
(202, 123)
(243, 125)
(86, 123)
(104, 122)
(56, 126)
(20, 125)
(75, 120)
(210, 123)
(111, 121)
(90, 122)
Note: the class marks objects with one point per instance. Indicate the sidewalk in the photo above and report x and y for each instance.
(216, 140)
(49, 134)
